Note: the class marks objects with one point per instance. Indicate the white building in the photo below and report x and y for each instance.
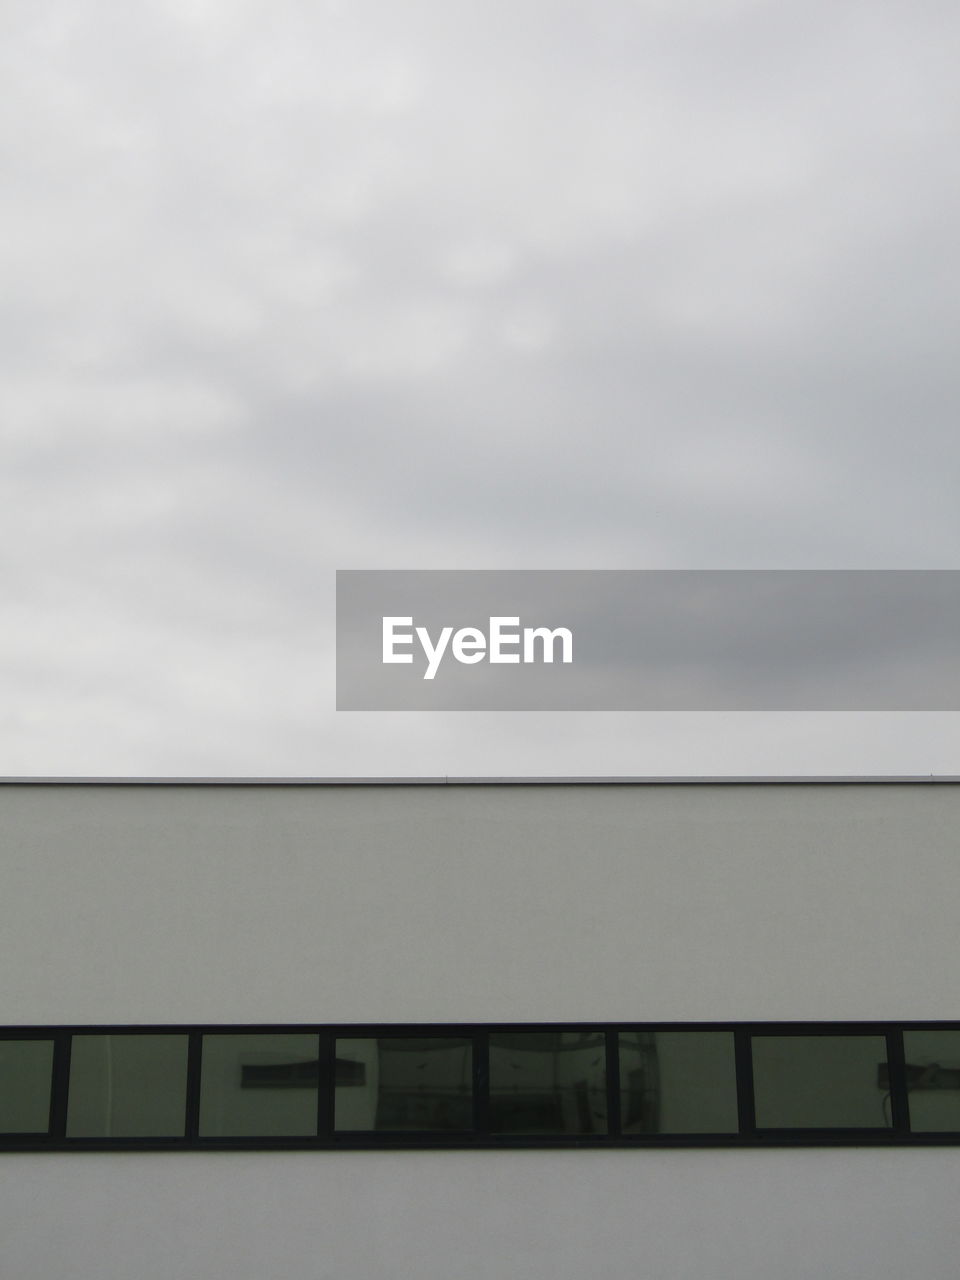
(380, 1029)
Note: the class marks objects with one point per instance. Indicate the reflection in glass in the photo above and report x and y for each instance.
(127, 1086)
(422, 1083)
(259, 1086)
(933, 1080)
(820, 1082)
(678, 1082)
(26, 1067)
(548, 1082)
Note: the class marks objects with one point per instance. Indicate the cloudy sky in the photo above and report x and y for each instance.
(289, 287)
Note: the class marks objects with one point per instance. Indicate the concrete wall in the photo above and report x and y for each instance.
(142, 904)
(570, 1215)
(273, 904)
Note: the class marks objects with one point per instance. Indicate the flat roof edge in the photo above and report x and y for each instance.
(545, 781)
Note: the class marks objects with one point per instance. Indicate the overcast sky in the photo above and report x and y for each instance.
(292, 287)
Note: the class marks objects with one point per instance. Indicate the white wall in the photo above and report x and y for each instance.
(134, 904)
(571, 1215)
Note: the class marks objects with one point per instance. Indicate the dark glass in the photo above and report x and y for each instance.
(26, 1068)
(127, 1086)
(820, 1082)
(678, 1082)
(397, 1083)
(259, 1086)
(933, 1080)
(548, 1082)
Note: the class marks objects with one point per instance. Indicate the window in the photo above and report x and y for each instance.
(25, 1074)
(127, 1086)
(933, 1080)
(820, 1082)
(548, 1082)
(678, 1082)
(595, 1085)
(418, 1084)
(259, 1086)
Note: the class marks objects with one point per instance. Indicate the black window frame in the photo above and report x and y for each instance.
(327, 1138)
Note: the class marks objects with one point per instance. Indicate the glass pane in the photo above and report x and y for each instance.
(26, 1067)
(678, 1082)
(820, 1082)
(127, 1086)
(933, 1080)
(259, 1086)
(404, 1083)
(548, 1082)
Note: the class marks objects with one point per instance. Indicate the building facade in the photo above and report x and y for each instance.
(378, 1029)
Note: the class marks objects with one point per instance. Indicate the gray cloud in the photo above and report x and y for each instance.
(289, 288)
